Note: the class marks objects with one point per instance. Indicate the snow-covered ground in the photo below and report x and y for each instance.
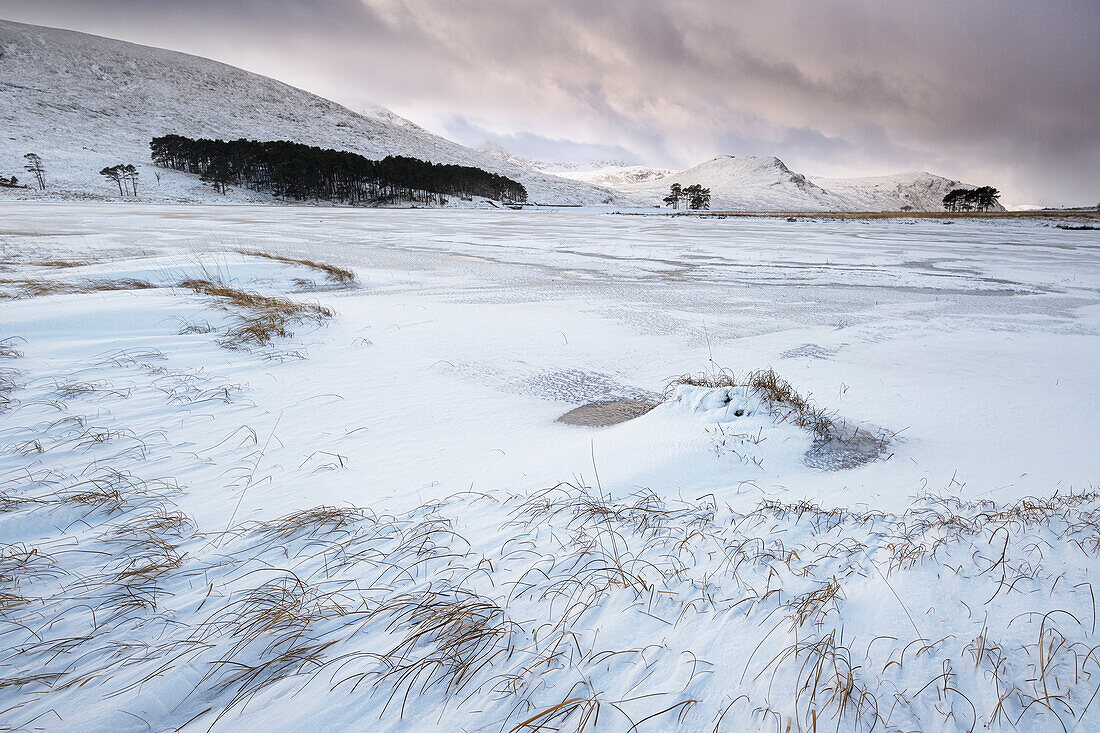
(475, 564)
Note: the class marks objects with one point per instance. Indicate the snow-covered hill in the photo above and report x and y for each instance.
(84, 102)
(742, 184)
(767, 184)
(922, 191)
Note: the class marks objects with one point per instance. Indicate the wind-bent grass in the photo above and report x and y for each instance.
(7, 348)
(18, 288)
(562, 608)
(260, 318)
(338, 276)
(400, 612)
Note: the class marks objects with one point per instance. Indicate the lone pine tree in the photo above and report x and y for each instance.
(34, 165)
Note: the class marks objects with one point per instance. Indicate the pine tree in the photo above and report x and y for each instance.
(131, 174)
(697, 196)
(953, 200)
(114, 173)
(217, 173)
(34, 165)
(675, 193)
(986, 197)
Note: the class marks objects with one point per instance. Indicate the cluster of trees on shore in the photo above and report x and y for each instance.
(695, 195)
(124, 175)
(303, 172)
(982, 198)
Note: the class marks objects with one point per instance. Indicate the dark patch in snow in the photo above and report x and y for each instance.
(608, 412)
(848, 446)
(811, 351)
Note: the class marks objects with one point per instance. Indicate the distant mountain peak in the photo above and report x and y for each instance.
(765, 183)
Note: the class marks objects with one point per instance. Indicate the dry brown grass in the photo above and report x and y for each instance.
(445, 636)
(328, 521)
(43, 263)
(716, 379)
(7, 348)
(776, 392)
(8, 377)
(19, 288)
(338, 276)
(261, 318)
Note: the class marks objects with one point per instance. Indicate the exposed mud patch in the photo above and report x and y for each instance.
(607, 412)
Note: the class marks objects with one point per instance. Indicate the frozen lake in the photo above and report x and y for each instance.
(978, 340)
(965, 350)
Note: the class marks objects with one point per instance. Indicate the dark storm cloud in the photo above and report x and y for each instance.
(1001, 91)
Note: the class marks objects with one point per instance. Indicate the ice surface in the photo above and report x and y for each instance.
(708, 563)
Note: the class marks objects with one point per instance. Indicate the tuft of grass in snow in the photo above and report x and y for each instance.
(8, 376)
(18, 288)
(7, 348)
(712, 380)
(27, 262)
(337, 276)
(776, 392)
(261, 318)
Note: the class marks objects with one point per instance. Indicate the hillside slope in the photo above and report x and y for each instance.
(742, 184)
(616, 177)
(84, 102)
(923, 191)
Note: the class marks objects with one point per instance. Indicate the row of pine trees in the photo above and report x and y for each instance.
(303, 172)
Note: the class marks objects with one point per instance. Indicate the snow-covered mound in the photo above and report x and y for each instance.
(767, 184)
(84, 102)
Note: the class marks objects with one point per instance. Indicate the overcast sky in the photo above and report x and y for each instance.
(1004, 92)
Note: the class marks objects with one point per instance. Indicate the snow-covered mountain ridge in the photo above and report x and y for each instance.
(613, 174)
(767, 184)
(84, 102)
